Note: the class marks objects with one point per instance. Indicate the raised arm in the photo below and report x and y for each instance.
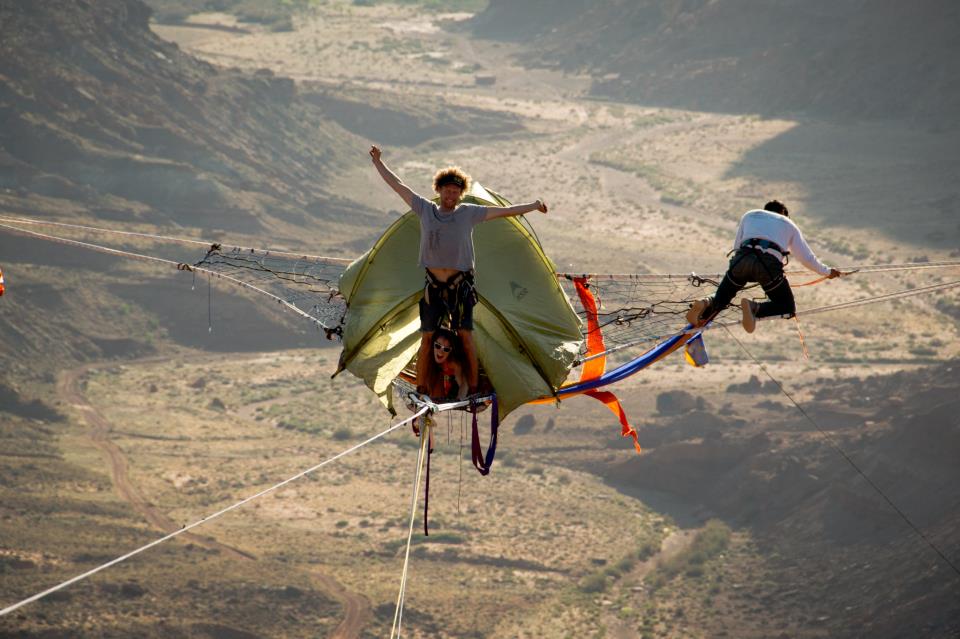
(394, 182)
(493, 212)
(805, 255)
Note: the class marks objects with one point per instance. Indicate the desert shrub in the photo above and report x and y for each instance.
(594, 582)
(624, 565)
(648, 548)
(709, 542)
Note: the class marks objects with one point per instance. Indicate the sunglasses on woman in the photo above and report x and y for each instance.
(441, 347)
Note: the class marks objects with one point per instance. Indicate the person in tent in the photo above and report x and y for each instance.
(446, 254)
(764, 240)
(445, 377)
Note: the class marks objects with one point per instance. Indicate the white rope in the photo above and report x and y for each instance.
(855, 303)
(813, 311)
(636, 277)
(879, 298)
(654, 277)
(179, 265)
(204, 520)
(401, 596)
(167, 238)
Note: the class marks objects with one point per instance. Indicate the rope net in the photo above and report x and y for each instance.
(309, 283)
(640, 310)
(635, 311)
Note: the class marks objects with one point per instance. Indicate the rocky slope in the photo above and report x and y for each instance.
(104, 123)
(100, 113)
(840, 551)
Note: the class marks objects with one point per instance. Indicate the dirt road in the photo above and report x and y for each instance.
(356, 608)
(68, 387)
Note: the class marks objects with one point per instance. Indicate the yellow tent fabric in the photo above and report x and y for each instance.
(527, 333)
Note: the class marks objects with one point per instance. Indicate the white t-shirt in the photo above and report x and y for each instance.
(781, 230)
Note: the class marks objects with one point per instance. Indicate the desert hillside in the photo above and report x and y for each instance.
(102, 116)
(106, 124)
(870, 59)
(136, 398)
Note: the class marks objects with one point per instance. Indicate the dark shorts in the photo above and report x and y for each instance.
(455, 304)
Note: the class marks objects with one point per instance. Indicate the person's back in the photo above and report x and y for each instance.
(764, 242)
(767, 225)
(781, 230)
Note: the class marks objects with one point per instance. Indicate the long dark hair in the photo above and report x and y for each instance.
(434, 376)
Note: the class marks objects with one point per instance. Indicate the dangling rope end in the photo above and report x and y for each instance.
(803, 344)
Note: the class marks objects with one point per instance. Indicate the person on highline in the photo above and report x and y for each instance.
(764, 240)
(447, 255)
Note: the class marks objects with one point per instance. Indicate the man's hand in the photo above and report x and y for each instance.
(834, 273)
(375, 153)
(541, 206)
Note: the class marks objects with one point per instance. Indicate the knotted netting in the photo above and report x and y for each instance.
(634, 311)
(306, 283)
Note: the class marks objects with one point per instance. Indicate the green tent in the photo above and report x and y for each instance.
(527, 333)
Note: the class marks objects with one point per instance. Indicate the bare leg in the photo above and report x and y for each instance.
(473, 365)
(423, 358)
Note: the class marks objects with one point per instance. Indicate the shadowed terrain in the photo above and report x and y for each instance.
(649, 127)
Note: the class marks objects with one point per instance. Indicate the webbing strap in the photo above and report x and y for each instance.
(592, 368)
(825, 277)
(610, 401)
(803, 344)
(426, 492)
(482, 462)
(811, 282)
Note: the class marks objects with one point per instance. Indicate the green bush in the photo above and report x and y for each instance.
(709, 542)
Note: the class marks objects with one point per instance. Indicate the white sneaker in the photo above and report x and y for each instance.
(749, 308)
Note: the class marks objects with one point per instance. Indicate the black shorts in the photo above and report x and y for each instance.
(443, 302)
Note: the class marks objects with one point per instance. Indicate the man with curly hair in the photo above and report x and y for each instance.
(446, 254)
(764, 240)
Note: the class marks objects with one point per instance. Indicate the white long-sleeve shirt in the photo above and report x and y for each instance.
(780, 230)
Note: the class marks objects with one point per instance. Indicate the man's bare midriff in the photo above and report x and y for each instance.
(443, 274)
